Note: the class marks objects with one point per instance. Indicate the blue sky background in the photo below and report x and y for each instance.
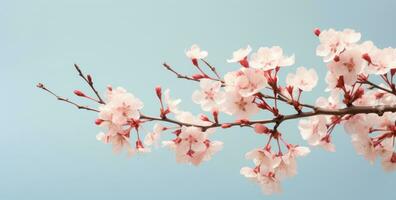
(48, 149)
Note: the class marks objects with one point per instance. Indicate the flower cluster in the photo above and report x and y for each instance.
(365, 109)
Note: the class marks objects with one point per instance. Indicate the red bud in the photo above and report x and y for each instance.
(158, 91)
(261, 129)
(198, 76)
(98, 121)
(367, 58)
(195, 61)
(79, 93)
(204, 118)
(226, 125)
(393, 71)
(89, 78)
(244, 62)
(317, 31)
(336, 58)
(139, 144)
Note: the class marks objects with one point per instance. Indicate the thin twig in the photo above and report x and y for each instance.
(41, 86)
(90, 83)
(213, 69)
(178, 75)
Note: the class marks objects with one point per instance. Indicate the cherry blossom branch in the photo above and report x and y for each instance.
(367, 82)
(42, 86)
(278, 120)
(88, 80)
(212, 68)
(178, 75)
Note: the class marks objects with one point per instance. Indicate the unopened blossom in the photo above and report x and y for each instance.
(270, 58)
(210, 96)
(239, 106)
(196, 53)
(120, 107)
(332, 42)
(303, 79)
(240, 55)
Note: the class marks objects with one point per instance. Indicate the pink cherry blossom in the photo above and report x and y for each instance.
(303, 79)
(240, 55)
(270, 58)
(382, 60)
(332, 42)
(239, 106)
(121, 107)
(154, 136)
(171, 104)
(192, 146)
(349, 65)
(246, 81)
(209, 97)
(195, 52)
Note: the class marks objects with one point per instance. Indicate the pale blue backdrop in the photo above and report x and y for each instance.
(48, 149)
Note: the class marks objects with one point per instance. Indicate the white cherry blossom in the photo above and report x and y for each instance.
(240, 54)
(239, 106)
(303, 79)
(196, 53)
(270, 58)
(210, 96)
(332, 42)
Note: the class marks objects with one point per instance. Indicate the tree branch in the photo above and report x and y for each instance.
(41, 86)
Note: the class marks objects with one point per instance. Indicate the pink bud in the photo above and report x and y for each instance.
(198, 76)
(226, 125)
(79, 93)
(195, 61)
(367, 58)
(98, 121)
(261, 129)
(393, 71)
(317, 31)
(204, 118)
(244, 62)
(158, 91)
(139, 144)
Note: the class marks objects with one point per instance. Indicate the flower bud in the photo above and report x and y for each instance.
(89, 78)
(195, 62)
(198, 76)
(244, 62)
(367, 58)
(79, 93)
(204, 118)
(158, 91)
(226, 125)
(98, 121)
(317, 31)
(261, 129)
